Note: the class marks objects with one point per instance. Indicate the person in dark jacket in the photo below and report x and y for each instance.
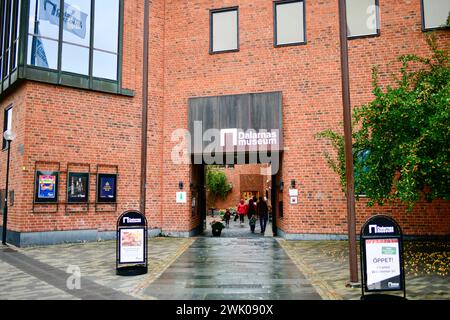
(263, 212)
(251, 214)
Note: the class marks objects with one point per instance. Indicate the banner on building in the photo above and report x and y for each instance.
(74, 20)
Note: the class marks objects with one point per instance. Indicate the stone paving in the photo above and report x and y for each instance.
(241, 265)
(96, 262)
(236, 229)
(325, 264)
(233, 269)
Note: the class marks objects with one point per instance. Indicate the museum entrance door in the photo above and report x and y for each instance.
(252, 178)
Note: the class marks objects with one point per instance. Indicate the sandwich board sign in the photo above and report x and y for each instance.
(382, 256)
(131, 244)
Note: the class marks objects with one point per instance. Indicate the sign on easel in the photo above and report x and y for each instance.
(131, 252)
(382, 257)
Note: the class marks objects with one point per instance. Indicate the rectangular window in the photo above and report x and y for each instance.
(289, 23)
(224, 30)
(435, 14)
(7, 124)
(362, 18)
(360, 168)
(89, 44)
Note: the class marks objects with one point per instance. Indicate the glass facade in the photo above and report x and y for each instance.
(9, 39)
(77, 46)
(81, 40)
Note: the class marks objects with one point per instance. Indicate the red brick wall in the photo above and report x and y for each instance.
(235, 176)
(70, 125)
(309, 77)
(61, 124)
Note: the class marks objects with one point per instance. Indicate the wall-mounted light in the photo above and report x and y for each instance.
(293, 183)
(281, 185)
(180, 185)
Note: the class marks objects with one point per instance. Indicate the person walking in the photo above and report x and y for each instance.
(251, 213)
(241, 211)
(263, 212)
(227, 217)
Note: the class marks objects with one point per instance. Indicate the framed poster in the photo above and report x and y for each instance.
(106, 187)
(78, 187)
(132, 245)
(382, 264)
(46, 186)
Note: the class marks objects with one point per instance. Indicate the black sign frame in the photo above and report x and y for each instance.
(37, 199)
(136, 221)
(384, 224)
(79, 175)
(99, 188)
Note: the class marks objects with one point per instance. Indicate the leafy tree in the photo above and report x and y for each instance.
(217, 183)
(404, 133)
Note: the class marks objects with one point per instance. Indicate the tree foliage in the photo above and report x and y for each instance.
(406, 131)
(217, 183)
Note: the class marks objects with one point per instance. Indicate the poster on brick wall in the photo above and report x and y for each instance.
(106, 187)
(78, 187)
(46, 186)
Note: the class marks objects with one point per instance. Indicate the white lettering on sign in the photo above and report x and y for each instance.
(131, 220)
(382, 263)
(250, 138)
(373, 228)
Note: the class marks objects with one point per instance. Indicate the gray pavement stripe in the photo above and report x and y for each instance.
(89, 290)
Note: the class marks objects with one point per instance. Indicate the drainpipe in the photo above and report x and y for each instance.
(144, 109)
(351, 217)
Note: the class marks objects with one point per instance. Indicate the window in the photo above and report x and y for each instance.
(289, 23)
(9, 36)
(82, 40)
(7, 124)
(224, 28)
(362, 18)
(435, 14)
(360, 168)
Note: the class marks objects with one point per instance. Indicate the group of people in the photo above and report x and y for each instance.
(252, 210)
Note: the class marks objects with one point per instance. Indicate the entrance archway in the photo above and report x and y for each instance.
(235, 130)
(271, 192)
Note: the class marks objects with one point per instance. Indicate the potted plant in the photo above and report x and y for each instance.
(217, 227)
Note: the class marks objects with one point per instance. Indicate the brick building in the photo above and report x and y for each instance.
(96, 94)
(246, 180)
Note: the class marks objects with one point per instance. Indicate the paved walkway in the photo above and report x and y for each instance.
(325, 265)
(248, 266)
(236, 229)
(233, 269)
(43, 272)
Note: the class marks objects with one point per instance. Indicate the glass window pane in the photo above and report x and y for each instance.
(105, 65)
(290, 23)
(9, 119)
(6, 24)
(106, 25)
(435, 13)
(225, 26)
(42, 52)
(75, 59)
(44, 19)
(76, 26)
(2, 15)
(361, 17)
